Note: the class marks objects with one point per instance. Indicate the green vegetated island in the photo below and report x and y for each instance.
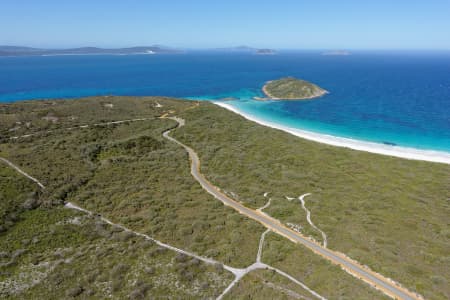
(290, 88)
(108, 155)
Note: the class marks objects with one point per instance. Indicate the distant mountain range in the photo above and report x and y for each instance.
(28, 51)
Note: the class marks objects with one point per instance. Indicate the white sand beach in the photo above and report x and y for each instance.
(396, 151)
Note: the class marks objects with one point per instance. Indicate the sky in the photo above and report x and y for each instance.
(279, 24)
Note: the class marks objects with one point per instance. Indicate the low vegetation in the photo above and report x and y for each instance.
(314, 271)
(388, 213)
(63, 254)
(17, 194)
(129, 173)
(290, 88)
(266, 284)
(385, 212)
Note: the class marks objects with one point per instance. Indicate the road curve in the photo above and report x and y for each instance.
(381, 283)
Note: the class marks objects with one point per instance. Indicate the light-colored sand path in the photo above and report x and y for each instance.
(261, 245)
(82, 126)
(267, 204)
(308, 218)
(386, 285)
(259, 265)
(238, 273)
(235, 271)
(207, 260)
(376, 280)
(22, 172)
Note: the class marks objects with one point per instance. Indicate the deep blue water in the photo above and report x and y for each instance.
(398, 98)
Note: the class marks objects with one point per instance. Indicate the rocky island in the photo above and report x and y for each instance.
(290, 88)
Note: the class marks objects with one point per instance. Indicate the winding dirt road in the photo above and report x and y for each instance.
(385, 285)
(376, 280)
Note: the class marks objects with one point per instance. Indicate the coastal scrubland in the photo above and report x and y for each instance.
(317, 273)
(17, 194)
(266, 284)
(59, 253)
(290, 88)
(129, 173)
(388, 213)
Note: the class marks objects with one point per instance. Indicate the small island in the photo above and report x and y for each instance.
(337, 53)
(290, 88)
(265, 52)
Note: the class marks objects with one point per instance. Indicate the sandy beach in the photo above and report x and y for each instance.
(396, 151)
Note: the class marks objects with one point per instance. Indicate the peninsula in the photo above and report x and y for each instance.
(290, 88)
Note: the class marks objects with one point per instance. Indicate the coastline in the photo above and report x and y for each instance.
(372, 147)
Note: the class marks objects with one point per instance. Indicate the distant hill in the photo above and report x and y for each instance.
(337, 53)
(28, 51)
(245, 49)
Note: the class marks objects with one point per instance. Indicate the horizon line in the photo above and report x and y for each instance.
(224, 47)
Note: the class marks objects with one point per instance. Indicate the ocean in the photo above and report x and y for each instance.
(389, 98)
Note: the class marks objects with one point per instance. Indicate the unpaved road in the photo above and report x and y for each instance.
(238, 273)
(383, 284)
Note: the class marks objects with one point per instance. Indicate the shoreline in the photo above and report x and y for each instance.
(371, 147)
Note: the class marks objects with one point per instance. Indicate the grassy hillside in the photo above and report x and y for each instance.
(290, 88)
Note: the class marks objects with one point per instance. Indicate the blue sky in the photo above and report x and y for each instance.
(314, 24)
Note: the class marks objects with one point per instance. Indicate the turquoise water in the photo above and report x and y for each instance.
(391, 98)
